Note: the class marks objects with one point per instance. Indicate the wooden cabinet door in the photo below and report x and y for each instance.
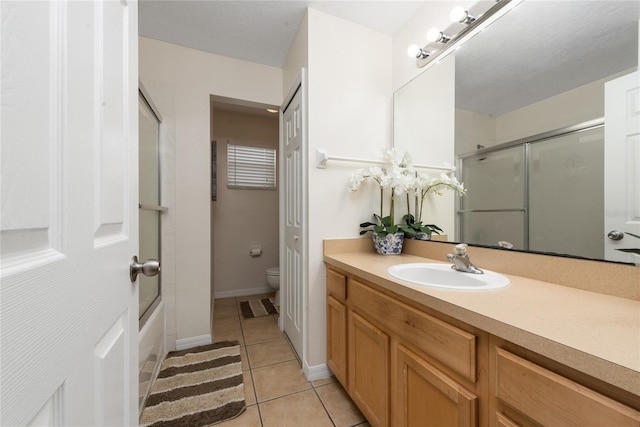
(547, 398)
(428, 397)
(337, 339)
(369, 369)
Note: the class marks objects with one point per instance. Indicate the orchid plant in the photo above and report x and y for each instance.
(398, 177)
(423, 185)
(395, 178)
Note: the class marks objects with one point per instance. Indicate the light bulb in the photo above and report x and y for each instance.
(435, 35)
(413, 51)
(458, 14)
(461, 15)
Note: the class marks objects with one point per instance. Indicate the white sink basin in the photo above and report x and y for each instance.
(443, 276)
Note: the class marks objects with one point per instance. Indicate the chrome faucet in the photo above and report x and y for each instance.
(461, 261)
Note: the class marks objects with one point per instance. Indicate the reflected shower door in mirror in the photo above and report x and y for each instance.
(494, 208)
(511, 83)
(566, 194)
(543, 195)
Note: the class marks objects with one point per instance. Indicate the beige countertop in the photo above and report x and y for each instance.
(594, 333)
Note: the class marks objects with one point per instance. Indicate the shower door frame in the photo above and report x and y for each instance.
(526, 142)
(143, 317)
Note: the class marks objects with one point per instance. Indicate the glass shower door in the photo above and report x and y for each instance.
(566, 193)
(494, 208)
(150, 209)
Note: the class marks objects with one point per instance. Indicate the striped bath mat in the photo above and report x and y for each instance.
(257, 307)
(197, 387)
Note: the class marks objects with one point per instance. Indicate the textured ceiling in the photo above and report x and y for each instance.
(539, 49)
(257, 31)
(542, 48)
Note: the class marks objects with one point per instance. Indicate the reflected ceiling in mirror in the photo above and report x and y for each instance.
(542, 48)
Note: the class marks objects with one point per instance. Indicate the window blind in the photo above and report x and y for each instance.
(251, 167)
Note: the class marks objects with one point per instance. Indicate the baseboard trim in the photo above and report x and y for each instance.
(243, 292)
(184, 343)
(316, 372)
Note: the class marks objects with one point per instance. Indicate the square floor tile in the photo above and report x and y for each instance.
(269, 353)
(342, 410)
(279, 380)
(224, 311)
(224, 302)
(257, 320)
(300, 409)
(235, 335)
(249, 418)
(244, 358)
(249, 391)
(260, 333)
(324, 381)
(228, 323)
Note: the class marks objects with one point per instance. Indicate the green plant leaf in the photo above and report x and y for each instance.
(408, 230)
(434, 227)
(631, 234)
(386, 221)
(367, 224)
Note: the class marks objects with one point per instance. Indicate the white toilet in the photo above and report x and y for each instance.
(273, 279)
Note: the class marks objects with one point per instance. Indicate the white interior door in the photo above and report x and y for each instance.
(69, 312)
(292, 259)
(622, 167)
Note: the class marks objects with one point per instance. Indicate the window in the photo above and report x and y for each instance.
(251, 167)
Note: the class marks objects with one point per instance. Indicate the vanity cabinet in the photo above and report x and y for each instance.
(369, 369)
(528, 394)
(337, 325)
(427, 396)
(404, 367)
(406, 364)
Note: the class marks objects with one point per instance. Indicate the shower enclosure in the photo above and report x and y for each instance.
(539, 194)
(149, 207)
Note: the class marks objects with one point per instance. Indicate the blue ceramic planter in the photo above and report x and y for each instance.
(391, 244)
(420, 236)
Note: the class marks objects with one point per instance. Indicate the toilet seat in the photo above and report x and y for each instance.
(273, 271)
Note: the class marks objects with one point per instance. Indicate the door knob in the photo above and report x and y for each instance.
(615, 235)
(149, 268)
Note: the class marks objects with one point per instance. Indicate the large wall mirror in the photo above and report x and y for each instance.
(545, 98)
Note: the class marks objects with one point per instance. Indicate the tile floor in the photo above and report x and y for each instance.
(276, 391)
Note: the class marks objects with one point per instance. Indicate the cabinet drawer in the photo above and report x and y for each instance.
(452, 346)
(551, 399)
(337, 285)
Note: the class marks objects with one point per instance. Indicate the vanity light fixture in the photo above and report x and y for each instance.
(474, 25)
(434, 35)
(461, 15)
(416, 51)
(272, 110)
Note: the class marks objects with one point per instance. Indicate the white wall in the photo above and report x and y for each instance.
(194, 76)
(349, 114)
(424, 125)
